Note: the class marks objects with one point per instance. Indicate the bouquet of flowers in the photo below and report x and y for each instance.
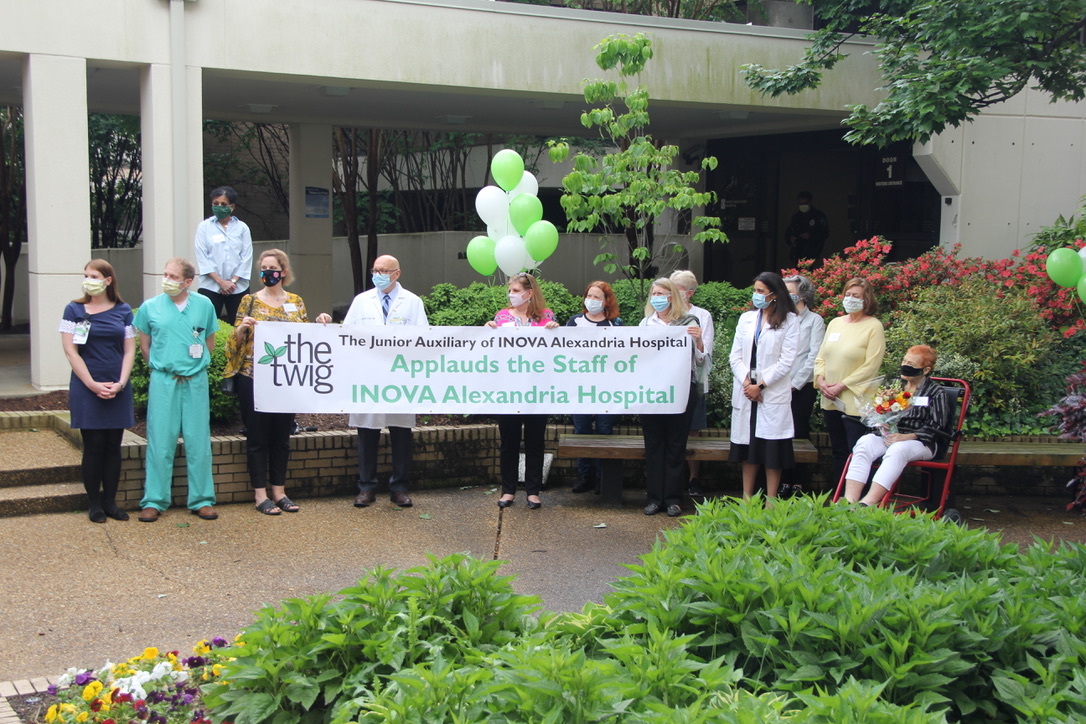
(158, 688)
(886, 408)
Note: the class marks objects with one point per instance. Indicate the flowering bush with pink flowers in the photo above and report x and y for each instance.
(154, 687)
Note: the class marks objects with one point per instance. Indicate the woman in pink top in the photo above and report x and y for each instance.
(527, 308)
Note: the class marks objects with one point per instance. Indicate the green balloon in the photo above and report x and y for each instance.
(481, 255)
(525, 210)
(541, 239)
(507, 168)
(1082, 288)
(1064, 267)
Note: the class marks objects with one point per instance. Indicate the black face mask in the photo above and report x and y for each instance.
(270, 277)
(907, 371)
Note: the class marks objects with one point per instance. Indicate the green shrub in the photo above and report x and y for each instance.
(474, 305)
(224, 408)
(718, 405)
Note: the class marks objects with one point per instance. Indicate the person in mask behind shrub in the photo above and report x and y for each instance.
(267, 434)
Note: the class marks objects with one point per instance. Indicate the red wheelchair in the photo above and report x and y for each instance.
(937, 475)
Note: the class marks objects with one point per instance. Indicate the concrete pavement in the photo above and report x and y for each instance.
(76, 593)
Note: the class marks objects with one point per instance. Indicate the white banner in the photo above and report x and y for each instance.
(471, 370)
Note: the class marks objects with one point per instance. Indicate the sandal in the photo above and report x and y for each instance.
(287, 504)
(267, 507)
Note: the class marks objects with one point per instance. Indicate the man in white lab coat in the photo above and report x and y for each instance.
(386, 303)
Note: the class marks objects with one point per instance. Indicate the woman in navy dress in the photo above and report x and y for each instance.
(100, 344)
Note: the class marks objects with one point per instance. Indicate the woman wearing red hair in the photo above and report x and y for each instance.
(926, 421)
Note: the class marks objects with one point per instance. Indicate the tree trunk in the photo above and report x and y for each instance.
(373, 177)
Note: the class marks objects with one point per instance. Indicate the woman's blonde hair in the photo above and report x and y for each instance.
(104, 268)
(678, 308)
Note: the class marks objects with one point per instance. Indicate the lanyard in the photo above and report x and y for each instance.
(758, 330)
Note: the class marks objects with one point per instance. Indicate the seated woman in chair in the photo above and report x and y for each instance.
(927, 420)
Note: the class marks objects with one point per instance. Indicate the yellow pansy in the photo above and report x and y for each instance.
(107, 697)
(201, 648)
(83, 716)
(67, 708)
(51, 715)
(150, 653)
(216, 670)
(91, 690)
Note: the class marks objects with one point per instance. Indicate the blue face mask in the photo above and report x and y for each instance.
(593, 306)
(382, 281)
(760, 300)
(660, 303)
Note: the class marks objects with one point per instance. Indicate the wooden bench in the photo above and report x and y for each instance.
(611, 450)
(1020, 454)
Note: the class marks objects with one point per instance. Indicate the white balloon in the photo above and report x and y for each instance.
(528, 185)
(1082, 254)
(493, 205)
(510, 254)
(502, 228)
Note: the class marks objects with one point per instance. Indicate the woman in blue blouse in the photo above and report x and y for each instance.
(100, 344)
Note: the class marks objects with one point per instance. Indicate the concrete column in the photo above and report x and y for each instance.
(310, 233)
(197, 207)
(58, 202)
(158, 177)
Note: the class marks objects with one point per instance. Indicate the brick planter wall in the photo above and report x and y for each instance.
(325, 463)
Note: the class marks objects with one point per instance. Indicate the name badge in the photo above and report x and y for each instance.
(82, 330)
(290, 307)
(921, 401)
(196, 351)
(218, 238)
(396, 321)
(508, 324)
(835, 337)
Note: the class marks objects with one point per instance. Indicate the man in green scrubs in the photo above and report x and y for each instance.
(177, 335)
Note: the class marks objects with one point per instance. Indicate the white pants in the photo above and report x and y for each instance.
(871, 447)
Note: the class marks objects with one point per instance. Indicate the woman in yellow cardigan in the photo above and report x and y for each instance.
(847, 367)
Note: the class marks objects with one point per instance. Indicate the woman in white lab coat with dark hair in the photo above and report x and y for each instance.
(761, 360)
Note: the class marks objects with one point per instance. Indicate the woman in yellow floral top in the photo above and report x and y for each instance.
(267, 434)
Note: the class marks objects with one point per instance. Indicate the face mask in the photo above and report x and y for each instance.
(271, 277)
(221, 212)
(852, 304)
(907, 371)
(804, 208)
(94, 287)
(660, 303)
(515, 300)
(382, 281)
(795, 298)
(171, 287)
(760, 300)
(594, 306)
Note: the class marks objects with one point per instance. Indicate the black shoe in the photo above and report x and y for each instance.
(693, 489)
(401, 499)
(583, 486)
(653, 508)
(116, 513)
(674, 511)
(96, 515)
(364, 499)
(535, 505)
(505, 503)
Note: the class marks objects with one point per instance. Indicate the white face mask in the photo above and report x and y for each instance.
(94, 287)
(171, 287)
(594, 306)
(804, 208)
(852, 304)
(515, 300)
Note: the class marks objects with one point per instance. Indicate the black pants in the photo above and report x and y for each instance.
(665, 454)
(403, 444)
(535, 430)
(101, 465)
(226, 305)
(267, 439)
(844, 431)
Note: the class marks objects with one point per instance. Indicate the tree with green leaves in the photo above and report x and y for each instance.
(633, 187)
(13, 230)
(942, 62)
(116, 175)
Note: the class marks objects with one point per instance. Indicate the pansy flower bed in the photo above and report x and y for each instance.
(155, 687)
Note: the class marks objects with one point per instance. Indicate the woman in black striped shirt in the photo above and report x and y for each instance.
(924, 424)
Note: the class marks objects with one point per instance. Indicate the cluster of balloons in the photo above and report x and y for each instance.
(1066, 267)
(517, 238)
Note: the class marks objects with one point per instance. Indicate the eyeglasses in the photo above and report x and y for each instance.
(383, 271)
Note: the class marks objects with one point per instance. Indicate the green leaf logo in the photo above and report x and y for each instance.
(271, 353)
